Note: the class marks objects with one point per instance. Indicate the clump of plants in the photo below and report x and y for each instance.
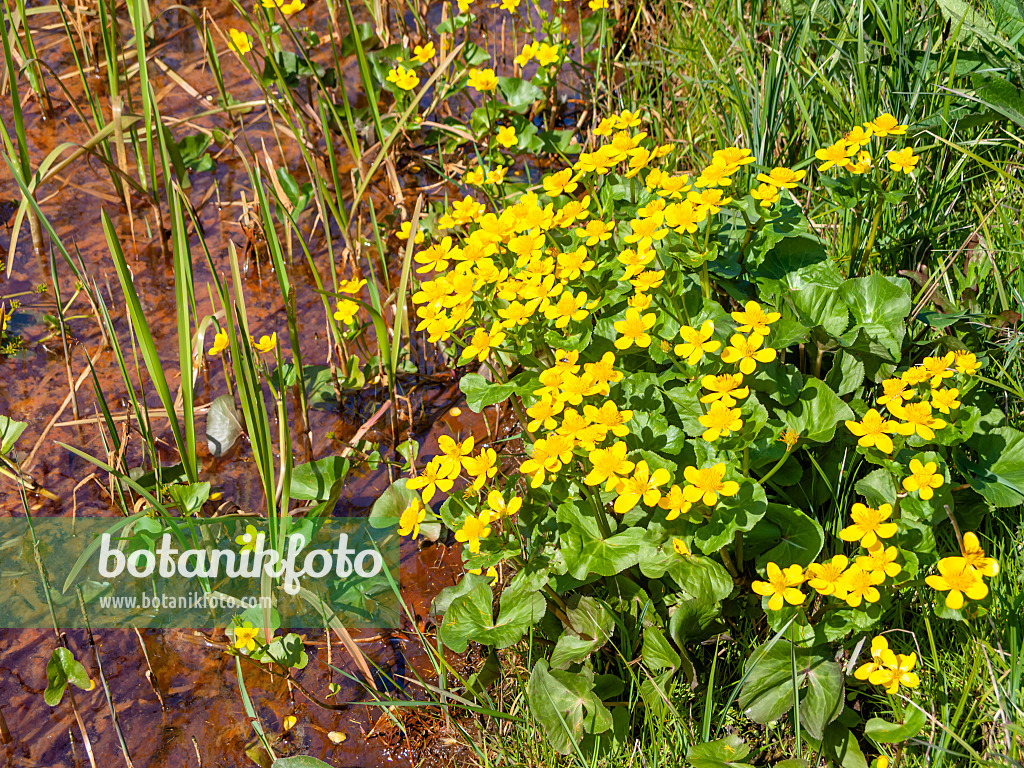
(722, 431)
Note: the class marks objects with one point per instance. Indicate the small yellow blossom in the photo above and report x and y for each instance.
(240, 41)
(696, 342)
(708, 484)
(747, 352)
(483, 79)
(923, 479)
(220, 342)
(886, 125)
(507, 136)
(959, 579)
(634, 330)
(902, 161)
(473, 530)
(873, 431)
(410, 519)
(266, 343)
(720, 421)
(869, 525)
(781, 586)
(404, 79)
(424, 53)
(753, 319)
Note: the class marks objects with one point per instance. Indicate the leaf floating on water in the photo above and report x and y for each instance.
(337, 737)
(223, 425)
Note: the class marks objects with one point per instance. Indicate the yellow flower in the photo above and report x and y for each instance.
(781, 586)
(507, 136)
(859, 135)
(902, 161)
(609, 464)
(482, 467)
(765, 194)
(509, 5)
(560, 183)
(433, 479)
(220, 342)
(835, 154)
(483, 342)
(746, 350)
(861, 585)
(753, 319)
(266, 343)
(598, 5)
(958, 578)
(675, 503)
(527, 54)
(826, 578)
(879, 645)
(287, 8)
(715, 175)
(696, 342)
(869, 525)
(643, 484)
(895, 671)
(424, 53)
(733, 156)
(245, 637)
(354, 285)
(790, 438)
(634, 329)
(547, 54)
(346, 311)
(974, 555)
(410, 519)
(938, 368)
(873, 430)
(483, 79)
(724, 388)
(240, 41)
(496, 504)
(707, 484)
(923, 478)
(492, 573)
(720, 421)
(248, 540)
(862, 165)
(886, 125)
(403, 234)
(918, 418)
(596, 231)
(894, 392)
(453, 454)
(543, 414)
(945, 399)
(784, 178)
(609, 418)
(966, 362)
(403, 78)
(473, 529)
(881, 559)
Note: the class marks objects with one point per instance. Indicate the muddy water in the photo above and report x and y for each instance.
(176, 692)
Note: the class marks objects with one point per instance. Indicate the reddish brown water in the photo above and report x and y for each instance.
(182, 706)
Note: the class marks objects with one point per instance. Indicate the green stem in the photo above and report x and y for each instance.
(776, 468)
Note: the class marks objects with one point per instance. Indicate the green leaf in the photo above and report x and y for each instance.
(565, 705)
(299, 761)
(777, 669)
(817, 412)
(591, 625)
(10, 431)
(877, 488)
(884, 732)
(471, 617)
(388, 508)
(61, 669)
(519, 93)
(315, 479)
(731, 514)
(840, 745)
(998, 472)
(785, 536)
(586, 551)
(658, 654)
(721, 753)
(288, 651)
(879, 305)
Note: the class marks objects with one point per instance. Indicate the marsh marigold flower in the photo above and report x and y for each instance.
(404, 79)
(958, 579)
(765, 194)
(753, 319)
(826, 578)
(696, 342)
(707, 484)
(507, 136)
(725, 388)
(432, 479)
(974, 556)
(966, 362)
(873, 431)
(902, 161)
(266, 343)
(923, 479)
(720, 421)
(473, 530)
(675, 503)
(782, 177)
(943, 400)
(746, 351)
(634, 330)
(886, 125)
(859, 585)
(879, 645)
(781, 586)
(424, 53)
(483, 79)
(835, 154)
(918, 418)
(410, 519)
(220, 342)
(869, 525)
(609, 464)
(240, 41)
(896, 671)
(880, 559)
(643, 484)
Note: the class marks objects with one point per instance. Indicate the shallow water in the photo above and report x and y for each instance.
(181, 705)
